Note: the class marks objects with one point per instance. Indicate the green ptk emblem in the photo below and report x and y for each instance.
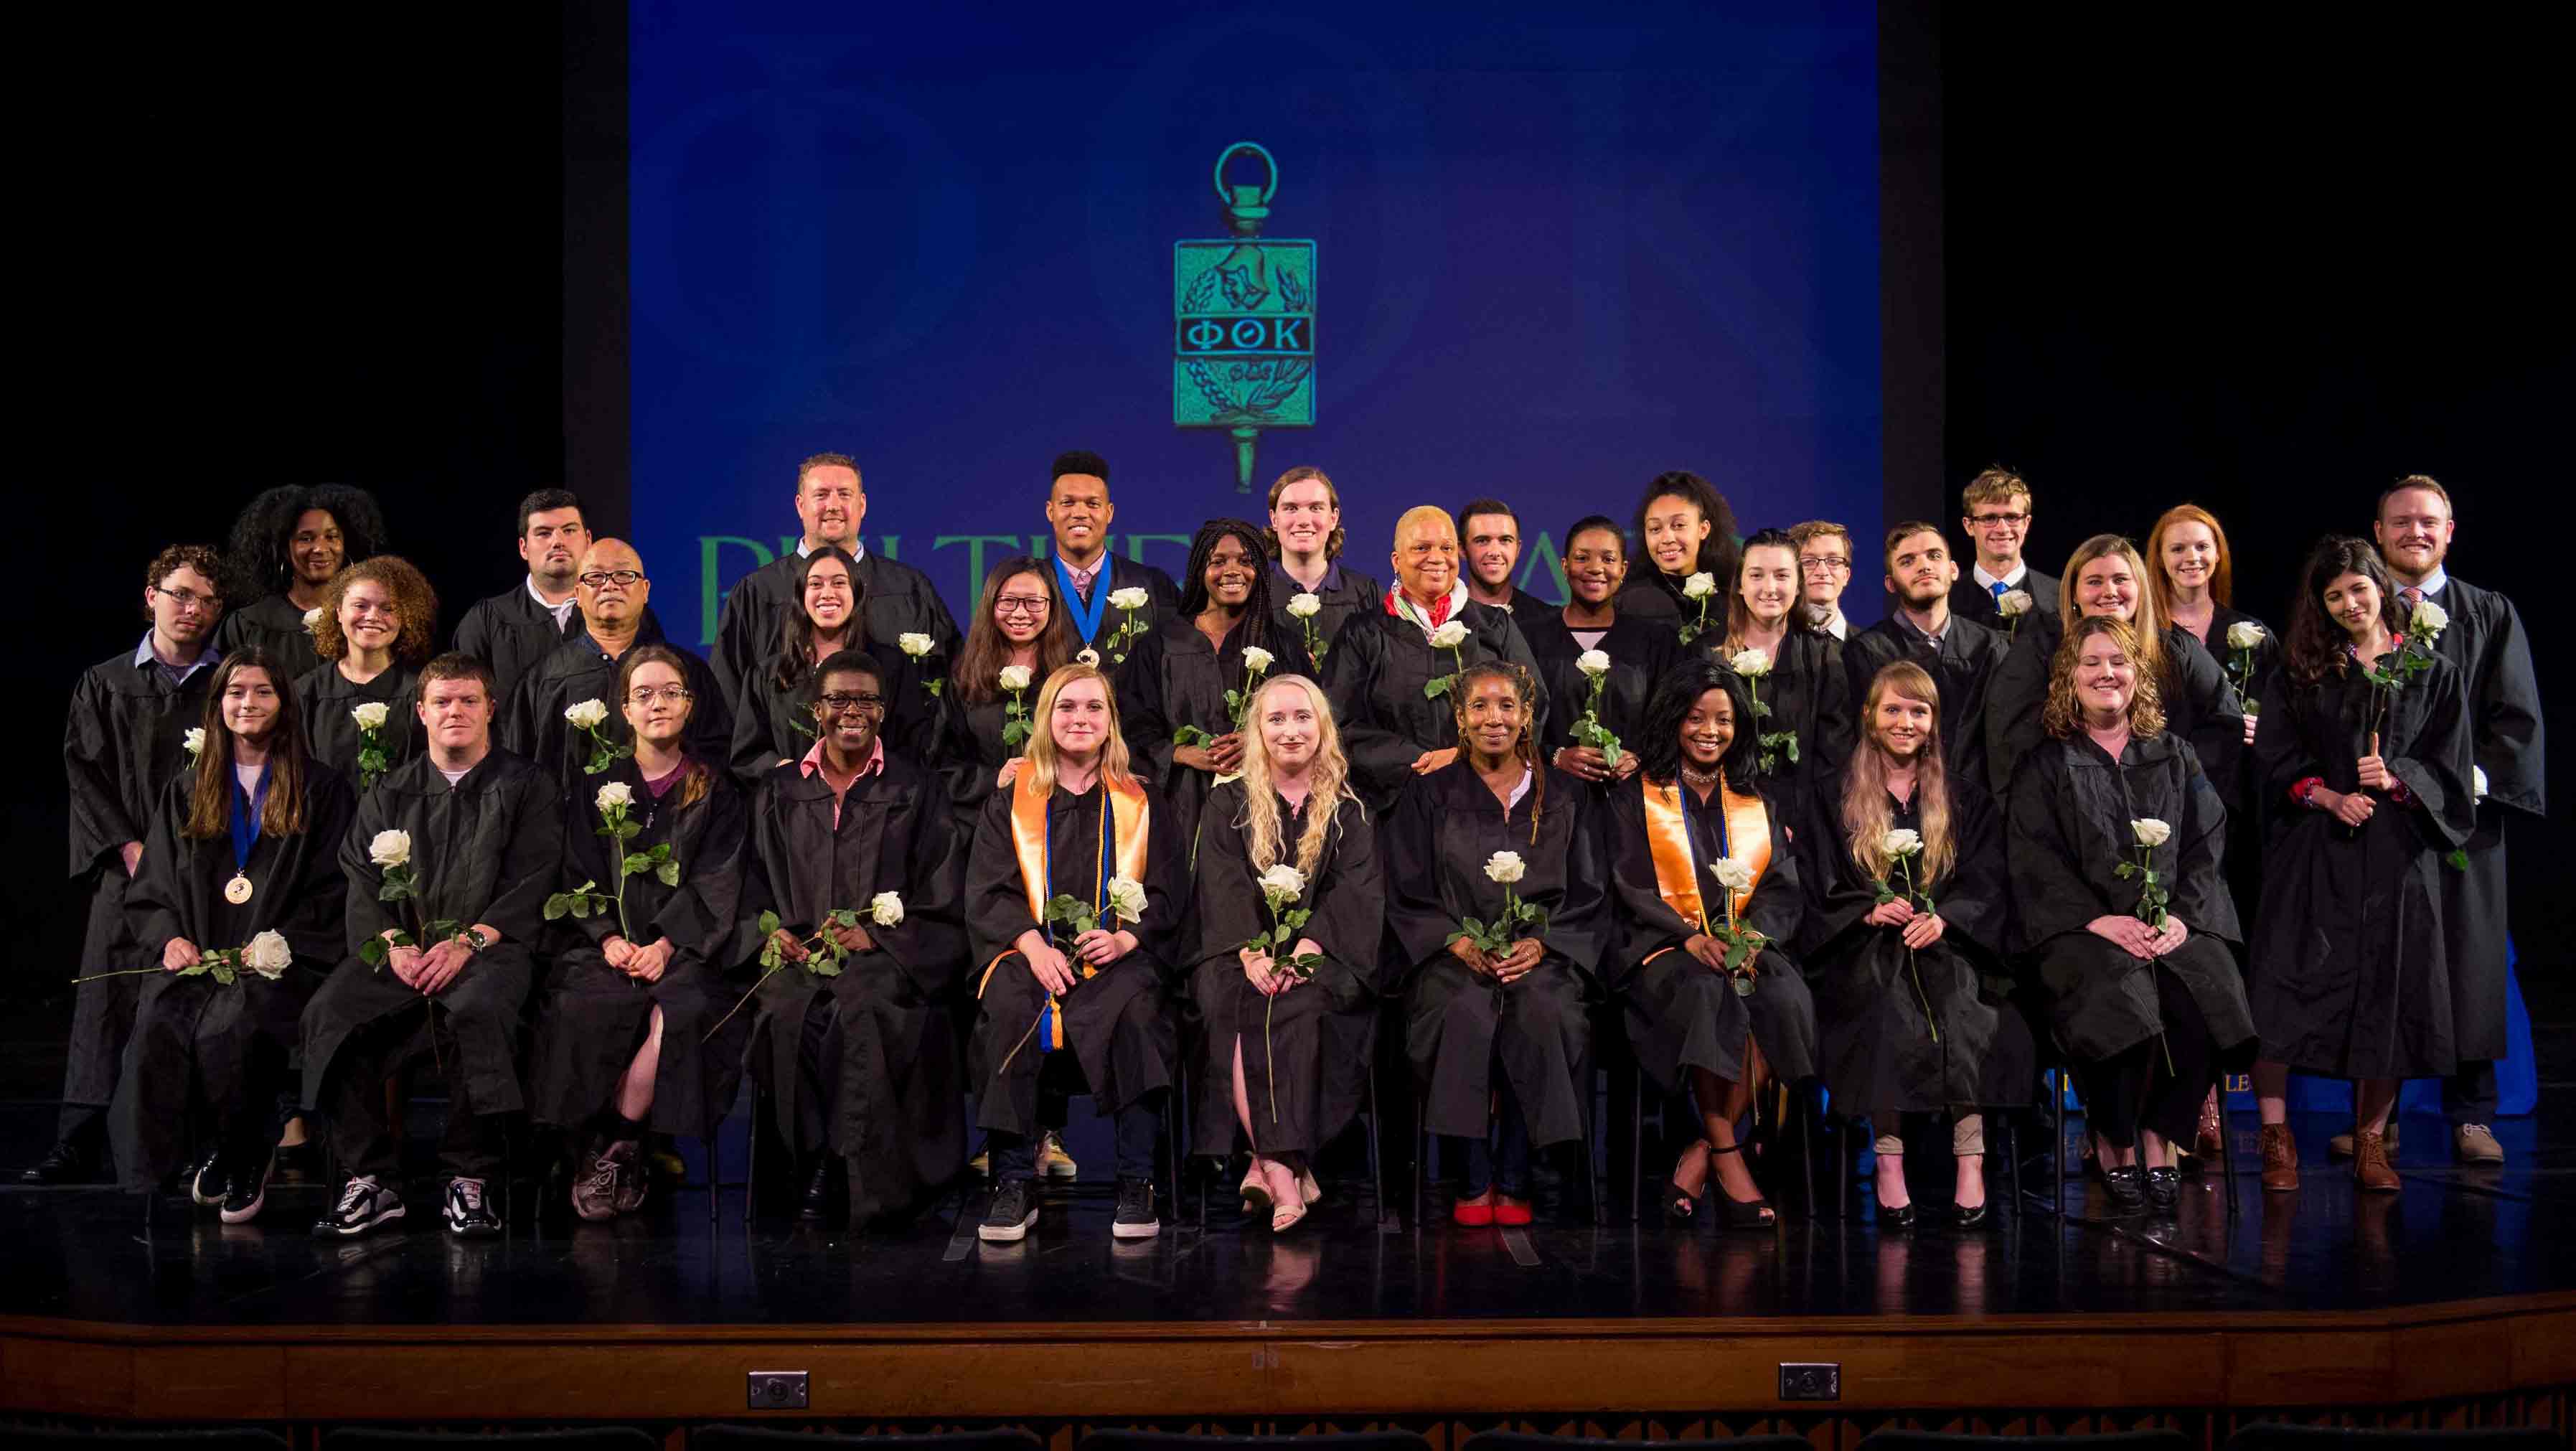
(1243, 323)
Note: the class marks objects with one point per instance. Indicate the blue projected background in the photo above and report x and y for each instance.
(1554, 256)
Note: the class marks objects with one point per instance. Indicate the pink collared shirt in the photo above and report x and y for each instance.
(813, 763)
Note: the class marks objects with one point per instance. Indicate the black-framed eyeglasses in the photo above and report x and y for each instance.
(1021, 605)
(598, 577)
(839, 705)
(183, 598)
(645, 695)
(1984, 520)
(1829, 564)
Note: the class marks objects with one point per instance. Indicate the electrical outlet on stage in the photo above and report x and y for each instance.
(1813, 1381)
(785, 1390)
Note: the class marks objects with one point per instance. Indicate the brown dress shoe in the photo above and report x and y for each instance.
(2340, 1146)
(2210, 1142)
(2280, 1158)
(2471, 1144)
(2370, 1171)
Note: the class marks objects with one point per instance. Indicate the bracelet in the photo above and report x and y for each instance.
(2305, 793)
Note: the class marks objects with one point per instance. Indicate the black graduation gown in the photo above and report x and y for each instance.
(1175, 679)
(2243, 791)
(2201, 709)
(1651, 594)
(534, 726)
(1458, 1023)
(1163, 605)
(2067, 831)
(326, 697)
(1970, 600)
(898, 601)
(1808, 693)
(1960, 670)
(774, 722)
(123, 741)
(1306, 1051)
(1374, 678)
(890, 1052)
(1116, 1024)
(275, 624)
(1342, 592)
(195, 1040)
(1880, 1006)
(2486, 641)
(591, 1016)
(1679, 1014)
(2352, 970)
(511, 632)
(966, 751)
(487, 849)
(1640, 652)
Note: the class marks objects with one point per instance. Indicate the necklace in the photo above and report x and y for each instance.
(1699, 778)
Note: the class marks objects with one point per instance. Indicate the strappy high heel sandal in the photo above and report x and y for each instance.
(1681, 1204)
(1256, 1194)
(1739, 1213)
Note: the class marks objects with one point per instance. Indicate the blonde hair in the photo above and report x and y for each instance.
(1326, 783)
(1994, 486)
(1420, 512)
(1114, 767)
(2063, 717)
(2147, 647)
(1865, 812)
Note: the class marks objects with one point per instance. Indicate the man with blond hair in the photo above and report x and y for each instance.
(1995, 511)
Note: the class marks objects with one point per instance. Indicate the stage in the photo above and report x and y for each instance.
(2454, 1300)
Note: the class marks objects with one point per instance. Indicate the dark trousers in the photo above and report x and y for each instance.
(1137, 1125)
(2158, 1084)
(474, 1144)
(2469, 1096)
(1500, 1160)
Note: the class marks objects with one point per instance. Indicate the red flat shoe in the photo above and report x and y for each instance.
(1471, 1213)
(1508, 1210)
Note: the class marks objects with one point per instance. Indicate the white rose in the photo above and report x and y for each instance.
(587, 714)
(195, 741)
(1732, 873)
(1593, 662)
(1087, 656)
(1750, 663)
(312, 618)
(913, 644)
(2478, 782)
(1015, 677)
(1127, 895)
(614, 794)
(2014, 602)
(1283, 883)
(1699, 586)
(886, 909)
(2244, 635)
(390, 849)
(370, 716)
(268, 955)
(1505, 867)
(2429, 618)
(1449, 636)
(2151, 832)
(1305, 605)
(1256, 659)
(1900, 843)
(1133, 597)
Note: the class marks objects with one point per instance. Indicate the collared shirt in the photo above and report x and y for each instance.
(1331, 581)
(2010, 581)
(1084, 578)
(175, 675)
(855, 549)
(1926, 639)
(813, 765)
(561, 612)
(2433, 583)
(1835, 625)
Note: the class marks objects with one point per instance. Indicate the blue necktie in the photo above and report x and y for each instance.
(2000, 589)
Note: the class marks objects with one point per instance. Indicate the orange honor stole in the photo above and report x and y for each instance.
(1126, 806)
(1748, 840)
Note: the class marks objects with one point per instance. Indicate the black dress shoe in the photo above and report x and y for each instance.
(68, 1162)
(1892, 1218)
(2164, 1188)
(817, 1202)
(2122, 1186)
(1969, 1215)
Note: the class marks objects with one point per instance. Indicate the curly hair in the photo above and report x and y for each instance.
(2063, 717)
(1194, 590)
(256, 552)
(415, 604)
(175, 557)
(2315, 648)
(1716, 552)
(1298, 475)
(1659, 740)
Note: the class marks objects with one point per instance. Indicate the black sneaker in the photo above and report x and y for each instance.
(1013, 1210)
(363, 1205)
(248, 1192)
(206, 1179)
(466, 1214)
(1135, 1219)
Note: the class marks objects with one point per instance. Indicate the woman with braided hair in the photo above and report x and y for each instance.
(1499, 1038)
(285, 547)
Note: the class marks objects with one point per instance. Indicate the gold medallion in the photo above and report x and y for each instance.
(237, 891)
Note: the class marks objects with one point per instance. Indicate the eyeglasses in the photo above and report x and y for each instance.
(598, 577)
(183, 598)
(1020, 605)
(839, 705)
(1825, 564)
(647, 694)
(1984, 520)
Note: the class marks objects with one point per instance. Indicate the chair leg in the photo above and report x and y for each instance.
(2057, 1116)
(1842, 1168)
(1421, 1162)
(1636, 1142)
(1377, 1185)
(715, 1166)
(2012, 1160)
